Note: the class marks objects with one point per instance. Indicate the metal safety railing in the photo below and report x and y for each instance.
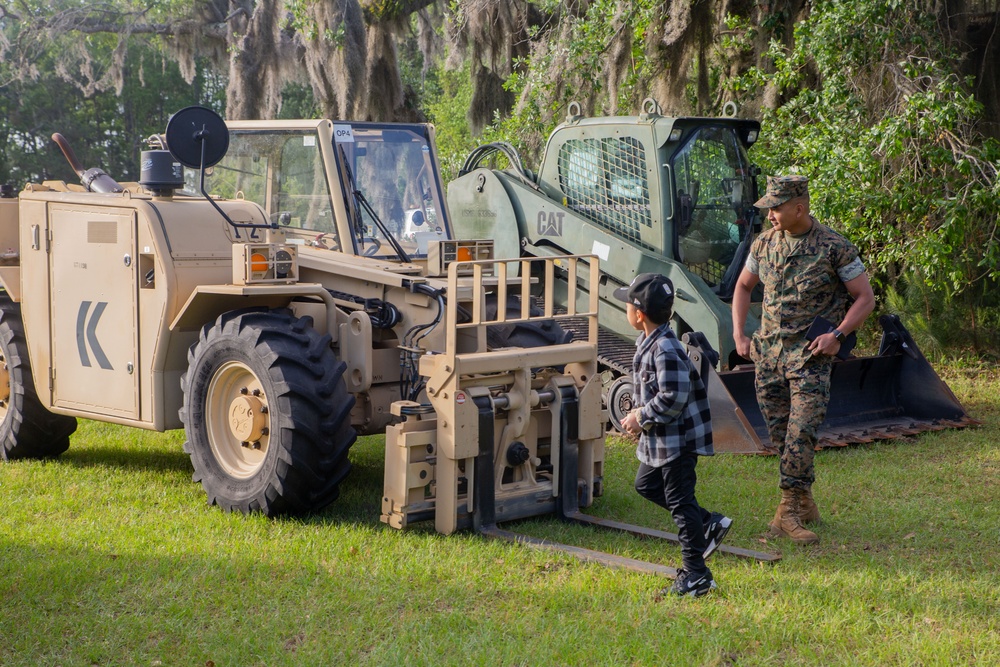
(568, 279)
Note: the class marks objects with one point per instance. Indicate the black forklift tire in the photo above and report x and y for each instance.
(539, 333)
(27, 429)
(266, 413)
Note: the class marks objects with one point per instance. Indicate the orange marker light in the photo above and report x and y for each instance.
(258, 263)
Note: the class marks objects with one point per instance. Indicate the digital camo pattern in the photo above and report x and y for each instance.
(782, 188)
(794, 402)
(800, 280)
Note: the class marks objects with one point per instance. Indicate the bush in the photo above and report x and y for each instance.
(873, 112)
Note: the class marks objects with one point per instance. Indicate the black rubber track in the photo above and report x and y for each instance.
(310, 429)
(28, 430)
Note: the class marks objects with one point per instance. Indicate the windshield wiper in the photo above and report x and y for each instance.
(382, 228)
(359, 198)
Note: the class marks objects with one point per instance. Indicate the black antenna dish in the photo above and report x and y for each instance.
(197, 137)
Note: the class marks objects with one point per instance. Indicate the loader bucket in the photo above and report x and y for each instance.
(891, 395)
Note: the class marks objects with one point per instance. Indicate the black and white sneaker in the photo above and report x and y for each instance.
(693, 585)
(715, 532)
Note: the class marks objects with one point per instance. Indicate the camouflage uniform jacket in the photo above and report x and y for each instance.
(803, 277)
(675, 413)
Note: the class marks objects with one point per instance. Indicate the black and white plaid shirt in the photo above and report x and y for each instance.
(675, 413)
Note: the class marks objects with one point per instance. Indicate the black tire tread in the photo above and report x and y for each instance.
(308, 399)
(29, 430)
(542, 333)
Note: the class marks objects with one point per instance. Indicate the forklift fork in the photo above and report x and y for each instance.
(567, 498)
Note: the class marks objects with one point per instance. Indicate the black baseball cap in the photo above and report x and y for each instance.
(651, 293)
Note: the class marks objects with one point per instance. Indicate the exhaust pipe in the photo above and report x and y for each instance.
(94, 179)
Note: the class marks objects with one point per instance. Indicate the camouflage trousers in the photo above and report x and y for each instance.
(794, 402)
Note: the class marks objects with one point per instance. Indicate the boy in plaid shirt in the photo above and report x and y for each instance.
(674, 425)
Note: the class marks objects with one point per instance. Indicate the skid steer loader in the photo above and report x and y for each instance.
(651, 193)
(275, 289)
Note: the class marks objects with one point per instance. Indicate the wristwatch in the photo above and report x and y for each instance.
(839, 335)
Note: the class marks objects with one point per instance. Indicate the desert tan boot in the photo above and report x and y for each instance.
(810, 512)
(788, 519)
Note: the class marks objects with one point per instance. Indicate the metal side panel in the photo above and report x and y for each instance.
(93, 309)
(480, 208)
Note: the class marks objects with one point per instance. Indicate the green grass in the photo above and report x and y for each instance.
(110, 556)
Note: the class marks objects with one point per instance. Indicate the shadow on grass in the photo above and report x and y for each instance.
(360, 498)
(68, 604)
(99, 446)
(127, 459)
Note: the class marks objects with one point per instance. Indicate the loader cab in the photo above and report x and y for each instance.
(682, 187)
(359, 188)
(712, 186)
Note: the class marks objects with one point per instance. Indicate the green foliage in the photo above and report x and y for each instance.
(106, 130)
(535, 115)
(297, 101)
(931, 316)
(873, 112)
(578, 70)
(447, 96)
(299, 20)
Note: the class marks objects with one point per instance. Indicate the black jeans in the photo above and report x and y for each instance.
(672, 487)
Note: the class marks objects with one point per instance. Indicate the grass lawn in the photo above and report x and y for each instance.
(110, 556)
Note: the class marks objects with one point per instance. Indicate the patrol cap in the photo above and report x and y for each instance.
(782, 188)
(651, 293)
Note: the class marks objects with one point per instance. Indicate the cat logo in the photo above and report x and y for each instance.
(550, 224)
(90, 330)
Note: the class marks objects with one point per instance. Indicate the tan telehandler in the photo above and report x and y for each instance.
(276, 289)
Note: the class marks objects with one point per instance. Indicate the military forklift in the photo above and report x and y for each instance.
(276, 289)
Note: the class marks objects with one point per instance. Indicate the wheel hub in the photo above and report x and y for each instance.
(620, 401)
(247, 419)
(237, 420)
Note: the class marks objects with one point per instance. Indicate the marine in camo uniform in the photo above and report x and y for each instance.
(807, 270)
